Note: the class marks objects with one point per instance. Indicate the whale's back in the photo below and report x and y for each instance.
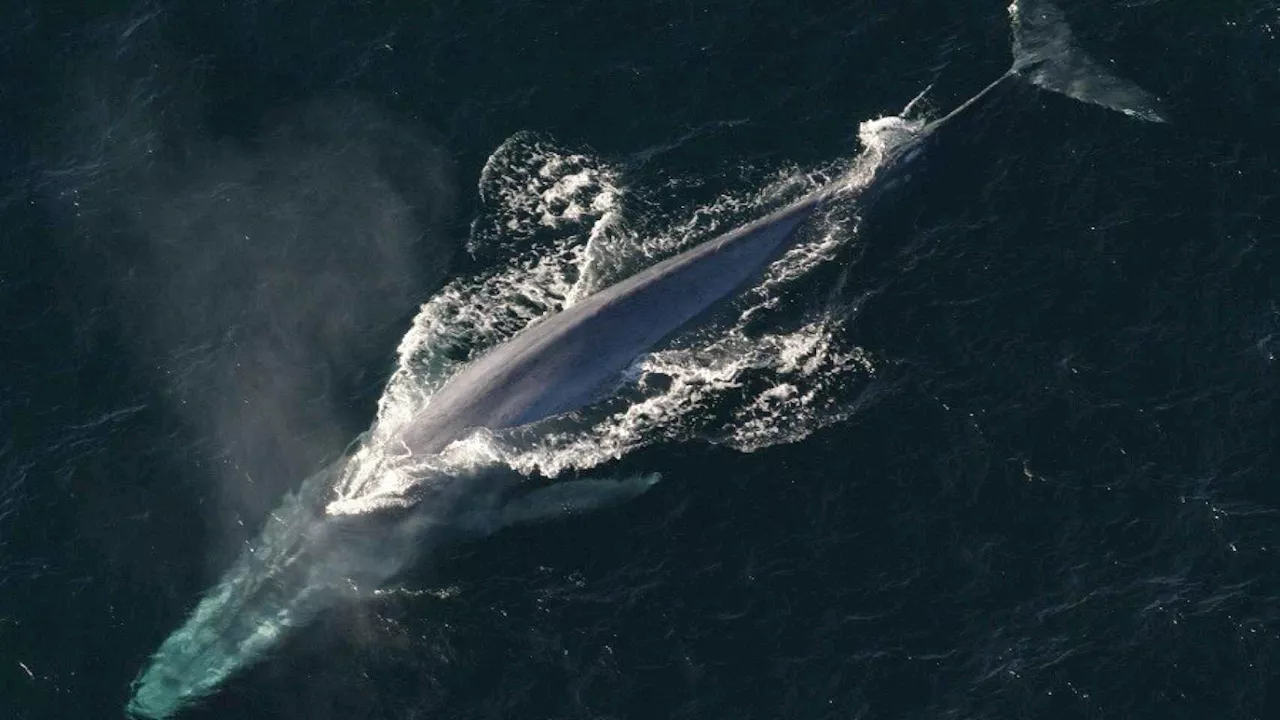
(561, 363)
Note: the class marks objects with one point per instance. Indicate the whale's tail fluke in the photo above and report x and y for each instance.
(1045, 53)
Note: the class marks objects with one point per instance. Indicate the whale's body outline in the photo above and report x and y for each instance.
(307, 560)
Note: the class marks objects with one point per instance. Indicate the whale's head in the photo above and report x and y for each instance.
(304, 563)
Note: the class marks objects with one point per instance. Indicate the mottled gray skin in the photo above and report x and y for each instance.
(562, 362)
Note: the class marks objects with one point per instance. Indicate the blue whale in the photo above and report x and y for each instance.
(307, 559)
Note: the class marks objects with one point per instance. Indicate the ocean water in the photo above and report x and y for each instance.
(1002, 445)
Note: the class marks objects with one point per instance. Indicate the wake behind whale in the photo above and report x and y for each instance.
(424, 473)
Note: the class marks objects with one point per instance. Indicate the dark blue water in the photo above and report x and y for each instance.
(1058, 499)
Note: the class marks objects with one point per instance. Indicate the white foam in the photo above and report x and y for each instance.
(560, 217)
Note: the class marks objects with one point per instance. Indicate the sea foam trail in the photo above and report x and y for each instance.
(535, 187)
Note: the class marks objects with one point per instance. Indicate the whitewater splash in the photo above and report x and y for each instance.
(568, 210)
(757, 378)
